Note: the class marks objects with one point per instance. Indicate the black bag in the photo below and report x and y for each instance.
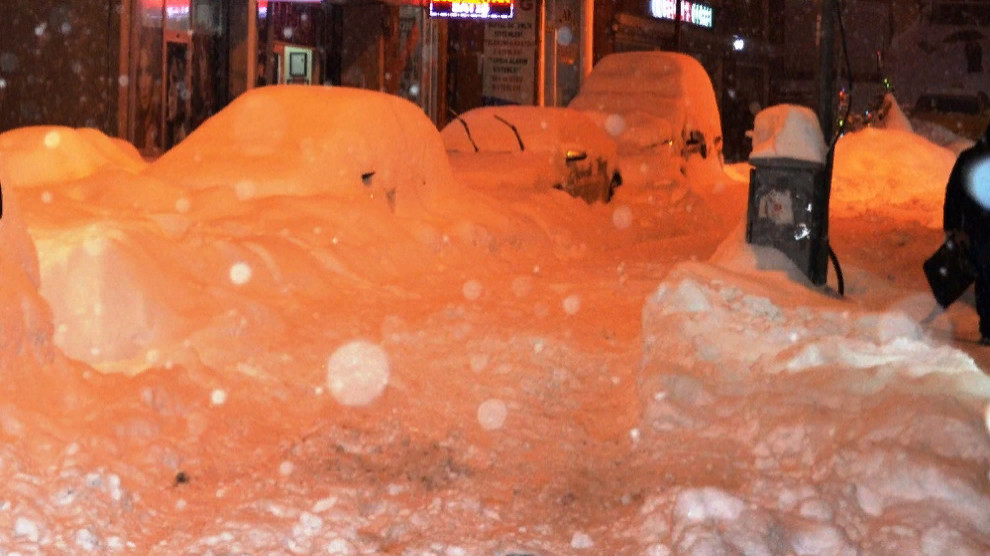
(949, 271)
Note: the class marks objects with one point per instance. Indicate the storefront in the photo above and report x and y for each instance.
(178, 68)
(492, 55)
(653, 25)
(531, 52)
(190, 58)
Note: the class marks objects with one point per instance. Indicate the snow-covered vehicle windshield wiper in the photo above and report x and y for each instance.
(466, 129)
(514, 130)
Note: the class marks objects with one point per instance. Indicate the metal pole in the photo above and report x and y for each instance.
(826, 52)
(677, 26)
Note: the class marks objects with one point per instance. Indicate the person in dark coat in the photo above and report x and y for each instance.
(967, 210)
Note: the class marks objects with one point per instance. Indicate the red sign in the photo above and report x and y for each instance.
(492, 9)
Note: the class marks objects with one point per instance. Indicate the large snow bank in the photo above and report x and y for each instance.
(43, 155)
(805, 409)
(301, 140)
(788, 131)
(890, 171)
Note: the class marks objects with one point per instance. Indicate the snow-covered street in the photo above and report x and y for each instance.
(194, 365)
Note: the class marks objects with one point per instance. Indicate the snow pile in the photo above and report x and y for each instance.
(25, 319)
(764, 334)
(102, 282)
(788, 131)
(809, 399)
(42, 155)
(893, 116)
(890, 171)
(298, 140)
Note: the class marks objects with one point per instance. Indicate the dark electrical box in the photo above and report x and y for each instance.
(788, 210)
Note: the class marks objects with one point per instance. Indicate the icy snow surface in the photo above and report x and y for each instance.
(207, 372)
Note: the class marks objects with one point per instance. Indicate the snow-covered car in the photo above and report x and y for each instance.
(964, 113)
(347, 143)
(654, 101)
(534, 148)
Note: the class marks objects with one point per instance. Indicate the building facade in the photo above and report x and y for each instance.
(153, 70)
(945, 49)
(58, 63)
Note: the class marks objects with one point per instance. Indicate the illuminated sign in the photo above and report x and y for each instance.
(263, 5)
(691, 12)
(492, 9)
(173, 8)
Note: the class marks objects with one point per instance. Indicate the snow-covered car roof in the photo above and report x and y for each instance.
(541, 128)
(303, 140)
(668, 86)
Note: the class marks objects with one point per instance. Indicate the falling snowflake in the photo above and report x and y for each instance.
(622, 217)
(245, 189)
(615, 124)
(218, 397)
(52, 139)
(240, 273)
(472, 290)
(491, 414)
(357, 373)
(572, 304)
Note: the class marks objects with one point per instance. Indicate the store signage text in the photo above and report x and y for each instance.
(492, 9)
(509, 68)
(691, 12)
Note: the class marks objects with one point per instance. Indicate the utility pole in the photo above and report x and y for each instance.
(826, 53)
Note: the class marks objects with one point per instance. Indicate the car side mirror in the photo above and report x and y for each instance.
(574, 156)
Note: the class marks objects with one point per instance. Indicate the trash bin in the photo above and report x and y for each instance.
(788, 210)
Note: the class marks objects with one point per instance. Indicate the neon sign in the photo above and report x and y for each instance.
(263, 5)
(492, 9)
(691, 12)
(173, 8)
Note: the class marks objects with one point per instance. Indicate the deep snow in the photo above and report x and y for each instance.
(498, 373)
